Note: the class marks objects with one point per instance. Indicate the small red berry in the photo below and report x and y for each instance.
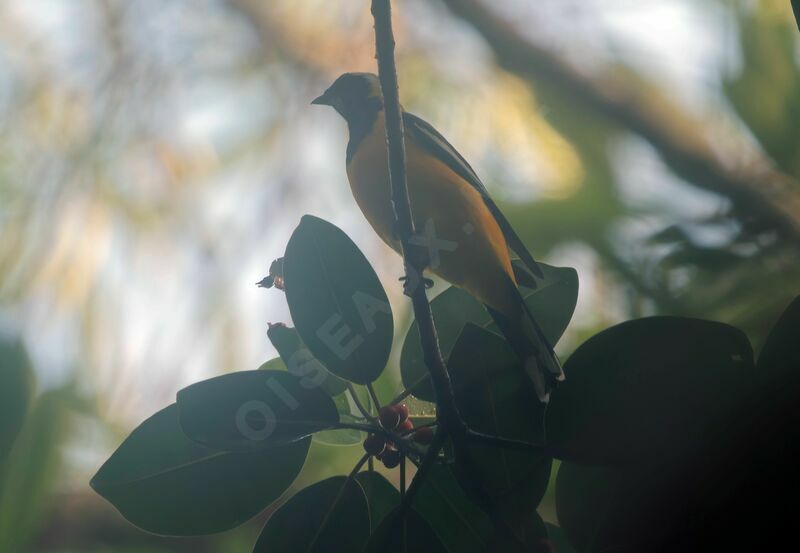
(405, 427)
(390, 458)
(374, 445)
(424, 435)
(402, 410)
(389, 417)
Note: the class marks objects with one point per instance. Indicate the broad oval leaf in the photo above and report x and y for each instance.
(342, 436)
(552, 303)
(338, 305)
(299, 360)
(779, 360)
(648, 389)
(253, 409)
(495, 397)
(167, 484)
(382, 496)
(331, 515)
(419, 536)
(460, 524)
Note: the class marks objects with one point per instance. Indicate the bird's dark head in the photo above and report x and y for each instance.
(353, 94)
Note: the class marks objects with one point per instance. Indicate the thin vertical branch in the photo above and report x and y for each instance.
(384, 47)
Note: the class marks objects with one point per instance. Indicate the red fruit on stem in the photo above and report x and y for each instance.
(424, 435)
(374, 445)
(389, 417)
(405, 427)
(390, 458)
(402, 410)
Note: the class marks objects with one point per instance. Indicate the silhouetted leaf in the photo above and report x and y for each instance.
(337, 302)
(459, 523)
(167, 484)
(495, 396)
(584, 496)
(559, 538)
(331, 515)
(779, 360)
(552, 303)
(382, 497)
(647, 388)
(16, 388)
(342, 436)
(796, 9)
(419, 537)
(301, 362)
(253, 409)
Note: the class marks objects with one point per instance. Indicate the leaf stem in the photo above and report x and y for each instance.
(374, 397)
(364, 412)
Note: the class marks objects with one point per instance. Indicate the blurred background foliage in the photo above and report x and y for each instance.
(155, 156)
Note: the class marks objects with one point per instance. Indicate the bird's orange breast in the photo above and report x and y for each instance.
(464, 243)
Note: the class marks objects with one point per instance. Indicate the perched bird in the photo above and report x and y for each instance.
(461, 234)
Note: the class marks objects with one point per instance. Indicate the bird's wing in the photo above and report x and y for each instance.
(438, 146)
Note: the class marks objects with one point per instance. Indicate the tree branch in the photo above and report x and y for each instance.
(447, 410)
(758, 191)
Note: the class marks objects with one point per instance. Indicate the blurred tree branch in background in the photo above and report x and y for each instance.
(756, 189)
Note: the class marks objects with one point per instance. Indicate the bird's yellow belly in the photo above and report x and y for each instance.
(456, 233)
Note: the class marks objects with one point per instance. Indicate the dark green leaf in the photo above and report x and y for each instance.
(552, 303)
(584, 496)
(419, 537)
(167, 484)
(559, 538)
(331, 515)
(16, 388)
(382, 497)
(796, 9)
(459, 523)
(253, 409)
(337, 302)
(495, 396)
(301, 362)
(647, 389)
(779, 360)
(342, 436)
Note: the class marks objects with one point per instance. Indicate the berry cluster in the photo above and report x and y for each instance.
(394, 418)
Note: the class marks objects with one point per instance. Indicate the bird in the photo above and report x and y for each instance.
(462, 236)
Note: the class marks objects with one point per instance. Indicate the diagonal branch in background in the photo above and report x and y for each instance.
(759, 192)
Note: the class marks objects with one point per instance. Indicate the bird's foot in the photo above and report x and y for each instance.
(410, 284)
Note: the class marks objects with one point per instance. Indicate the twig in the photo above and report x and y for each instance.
(374, 397)
(450, 422)
(360, 405)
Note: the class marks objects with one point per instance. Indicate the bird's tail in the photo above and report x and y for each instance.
(529, 342)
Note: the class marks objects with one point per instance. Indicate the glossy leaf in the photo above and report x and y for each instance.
(382, 496)
(342, 436)
(299, 360)
(167, 484)
(331, 515)
(460, 524)
(419, 537)
(495, 397)
(253, 409)
(779, 360)
(559, 539)
(552, 303)
(338, 305)
(648, 388)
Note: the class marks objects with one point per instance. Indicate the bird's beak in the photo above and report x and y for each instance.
(322, 100)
